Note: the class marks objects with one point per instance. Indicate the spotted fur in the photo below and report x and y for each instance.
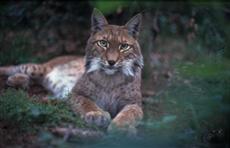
(112, 80)
(58, 76)
(105, 87)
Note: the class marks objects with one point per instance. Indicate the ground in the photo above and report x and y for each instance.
(186, 104)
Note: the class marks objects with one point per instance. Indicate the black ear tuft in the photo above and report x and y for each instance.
(97, 20)
(134, 25)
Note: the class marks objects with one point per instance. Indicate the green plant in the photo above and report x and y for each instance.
(17, 107)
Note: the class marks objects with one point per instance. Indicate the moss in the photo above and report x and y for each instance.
(17, 107)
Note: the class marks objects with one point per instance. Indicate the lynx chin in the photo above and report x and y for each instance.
(104, 88)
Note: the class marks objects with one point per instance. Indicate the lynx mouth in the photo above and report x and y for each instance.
(126, 67)
(110, 70)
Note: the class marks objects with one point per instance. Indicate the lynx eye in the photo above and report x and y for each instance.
(103, 43)
(124, 47)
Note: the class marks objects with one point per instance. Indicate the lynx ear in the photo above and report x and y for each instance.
(97, 20)
(134, 25)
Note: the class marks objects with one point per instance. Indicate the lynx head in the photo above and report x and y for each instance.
(113, 49)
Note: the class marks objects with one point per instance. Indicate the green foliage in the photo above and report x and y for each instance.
(196, 100)
(17, 50)
(211, 31)
(17, 107)
(210, 67)
(210, 25)
(108, 7)
(14, 106)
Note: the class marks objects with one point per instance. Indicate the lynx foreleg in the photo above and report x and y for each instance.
(90, 112)
(127, 119)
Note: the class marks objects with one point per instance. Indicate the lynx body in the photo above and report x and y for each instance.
(105, 85)
(58, 76)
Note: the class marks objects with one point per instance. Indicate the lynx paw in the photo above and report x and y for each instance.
(98, 118)
(128, 130)
(18, 80)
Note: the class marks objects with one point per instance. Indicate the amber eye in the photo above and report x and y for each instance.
(124, 47)
(103, 43)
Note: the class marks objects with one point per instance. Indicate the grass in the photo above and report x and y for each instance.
(207, 67)
(196, 103)
(16, 107)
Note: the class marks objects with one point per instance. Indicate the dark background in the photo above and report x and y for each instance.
(186, 78)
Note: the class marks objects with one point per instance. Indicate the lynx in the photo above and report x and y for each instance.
(104, 87)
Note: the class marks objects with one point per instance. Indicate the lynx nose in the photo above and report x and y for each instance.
(111, 62)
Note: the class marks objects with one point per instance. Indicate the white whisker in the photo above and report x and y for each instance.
(94, 65)
(127, 68)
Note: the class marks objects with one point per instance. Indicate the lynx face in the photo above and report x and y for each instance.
(113, 49)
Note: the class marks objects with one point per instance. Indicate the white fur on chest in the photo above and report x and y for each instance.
(61, 80)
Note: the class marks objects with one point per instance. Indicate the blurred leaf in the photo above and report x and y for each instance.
(45, 136)
(108, 7)
(169, 118)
